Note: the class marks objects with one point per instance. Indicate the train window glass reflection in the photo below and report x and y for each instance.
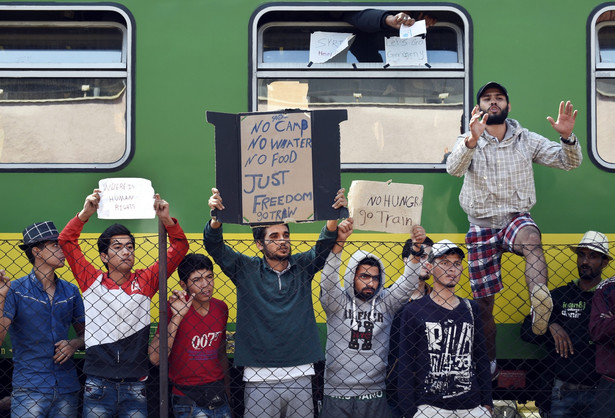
(602, 105)
(399, 118)
(65, 87)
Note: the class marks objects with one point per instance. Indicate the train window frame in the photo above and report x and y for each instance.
(598, 71)
(261, 70)
(106, 59)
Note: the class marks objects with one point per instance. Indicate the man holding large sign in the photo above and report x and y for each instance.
(277, 339)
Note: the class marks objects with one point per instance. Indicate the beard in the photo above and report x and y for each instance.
(587, 273)
(498, 118)
(363, 295)
(277, 257)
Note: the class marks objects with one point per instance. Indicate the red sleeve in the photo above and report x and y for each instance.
(84, 272)
(178, 248)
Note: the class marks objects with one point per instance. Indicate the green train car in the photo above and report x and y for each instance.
(90, 90)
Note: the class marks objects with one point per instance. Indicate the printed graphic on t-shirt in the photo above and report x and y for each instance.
(449, 345)
(573, 310)
(361, 337)
(202, 346)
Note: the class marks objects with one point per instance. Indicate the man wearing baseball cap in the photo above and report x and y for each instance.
(443, 363)
(571, 351)
(38, 310)
(496, 158)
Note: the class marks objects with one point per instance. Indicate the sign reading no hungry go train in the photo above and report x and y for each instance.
(275, 167)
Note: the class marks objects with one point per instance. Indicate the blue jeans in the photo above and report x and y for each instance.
(105, 399)
(32, 403)
(605, 399)
(184, 407)
(569, 401)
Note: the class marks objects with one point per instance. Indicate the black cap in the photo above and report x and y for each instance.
(491, 84)
(39, 232)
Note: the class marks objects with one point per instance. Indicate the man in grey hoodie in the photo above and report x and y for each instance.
(359, 318)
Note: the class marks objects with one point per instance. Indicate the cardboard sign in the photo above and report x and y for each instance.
(275, 167)
(327, 46)
(126, 198)
(405, 52)
(385, 206)
(276, 163)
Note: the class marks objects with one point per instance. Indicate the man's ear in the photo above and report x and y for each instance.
(259, 245)
(36, 251)
(183, 285)
(104, 257)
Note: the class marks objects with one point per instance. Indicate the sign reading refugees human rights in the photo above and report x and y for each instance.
(274, 167)
(276, 163)
(385, 206)
(126, 198)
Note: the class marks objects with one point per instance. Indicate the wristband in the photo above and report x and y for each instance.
(568, 141)
(417, 253)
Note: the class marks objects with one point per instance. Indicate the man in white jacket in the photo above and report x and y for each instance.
(359, 318)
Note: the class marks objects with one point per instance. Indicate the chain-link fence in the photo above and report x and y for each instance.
(357, 352)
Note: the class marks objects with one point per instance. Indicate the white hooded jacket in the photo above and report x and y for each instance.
(358, 331)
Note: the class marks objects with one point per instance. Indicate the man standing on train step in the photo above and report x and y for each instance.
(495, 157)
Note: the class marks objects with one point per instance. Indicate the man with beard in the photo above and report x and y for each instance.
(443, 364)
(359, 318)
(277, 339)
(571, 351)
(495, 157)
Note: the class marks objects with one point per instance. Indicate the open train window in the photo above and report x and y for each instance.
(65, 87)
(602, 104)
(400, 117)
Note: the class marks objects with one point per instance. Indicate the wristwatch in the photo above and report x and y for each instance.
(570, 140)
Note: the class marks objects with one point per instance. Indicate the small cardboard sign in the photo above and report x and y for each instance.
(126, 198)
(401, 52)
(385, 206)
(327, 46)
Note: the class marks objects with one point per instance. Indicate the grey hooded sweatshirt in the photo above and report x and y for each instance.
(358, 331)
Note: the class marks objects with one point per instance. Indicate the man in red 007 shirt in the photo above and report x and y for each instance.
(117, 310)
(198, 365)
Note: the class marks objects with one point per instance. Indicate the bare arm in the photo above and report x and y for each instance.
(5, 285)
(179, 308)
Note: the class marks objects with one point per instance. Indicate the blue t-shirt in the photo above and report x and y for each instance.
(36, 325)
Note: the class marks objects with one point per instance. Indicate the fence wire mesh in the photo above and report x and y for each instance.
(526, 366)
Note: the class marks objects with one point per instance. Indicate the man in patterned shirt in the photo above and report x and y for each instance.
(495, 157)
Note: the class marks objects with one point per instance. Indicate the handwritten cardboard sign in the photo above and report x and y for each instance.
(276, 164)
(405, 51)
(126, 198)
(326, 46)
(384, 206)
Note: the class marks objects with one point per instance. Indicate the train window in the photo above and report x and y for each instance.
(602, 105)
(65, 87)
(399, 117)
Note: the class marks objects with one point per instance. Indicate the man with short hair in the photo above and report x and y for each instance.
(571, 350)
(276, 340)
(420, 252)
(359, 318)
(443, 363)
(496, 157)
(198, 364)
(117, 310)
(38, 310)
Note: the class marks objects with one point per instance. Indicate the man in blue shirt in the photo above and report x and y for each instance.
(38, 310)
